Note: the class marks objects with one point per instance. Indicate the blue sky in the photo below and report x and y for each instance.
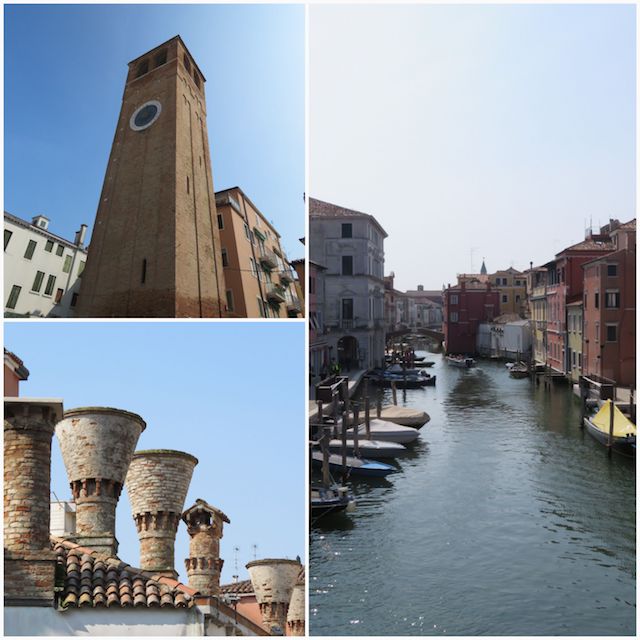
(474, 130)
(232, 394)
(65, 68)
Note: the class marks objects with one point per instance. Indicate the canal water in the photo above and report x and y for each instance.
(505, 519)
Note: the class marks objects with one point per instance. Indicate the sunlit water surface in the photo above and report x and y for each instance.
(505, 519)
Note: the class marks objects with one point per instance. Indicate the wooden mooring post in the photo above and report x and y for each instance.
(379, 406)
(356, 429)
(335, 414)
(394, 392)
(343, 448)
(611, 408)
(367, 418)
(324, 446)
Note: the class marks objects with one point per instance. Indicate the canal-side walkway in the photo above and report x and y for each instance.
(355, 378)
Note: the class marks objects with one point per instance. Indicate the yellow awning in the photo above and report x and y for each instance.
(622, 426)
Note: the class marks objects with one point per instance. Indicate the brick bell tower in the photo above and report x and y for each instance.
(155, 247)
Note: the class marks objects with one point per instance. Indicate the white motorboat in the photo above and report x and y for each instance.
(387, 432)
(374, 449)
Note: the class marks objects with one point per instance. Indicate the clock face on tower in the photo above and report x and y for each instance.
(145, 115)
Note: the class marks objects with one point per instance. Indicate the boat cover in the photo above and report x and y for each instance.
(622, 426)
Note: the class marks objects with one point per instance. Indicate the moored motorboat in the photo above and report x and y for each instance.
(387, 432)
(332, 499)
(464, 362)
(355, 466)
(374, 449)
(403, 378)
(519, 370)
(405, 416)
(622, 438)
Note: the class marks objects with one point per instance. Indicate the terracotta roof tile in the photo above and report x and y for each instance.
(244, 586)
(91, 580)
(589, 245)
(320, 208)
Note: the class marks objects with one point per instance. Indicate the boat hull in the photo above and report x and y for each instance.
(625, 446)
(360, 467)
(329, 501)
(461, 363)
(388, 432)
(372, 449)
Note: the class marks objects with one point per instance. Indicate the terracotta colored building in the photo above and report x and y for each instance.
(14, 373)
(609, 300)
(465, 307)
(260, 282)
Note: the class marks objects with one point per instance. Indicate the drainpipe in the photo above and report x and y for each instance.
(253, 253)
(78, 242)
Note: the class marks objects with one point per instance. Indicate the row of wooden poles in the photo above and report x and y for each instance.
(330, 431)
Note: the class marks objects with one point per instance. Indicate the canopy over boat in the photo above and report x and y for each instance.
(622, 426)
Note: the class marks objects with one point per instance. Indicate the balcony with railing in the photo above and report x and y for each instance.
(267, 258)
(275, 293)
(294, 305)
(287, 276)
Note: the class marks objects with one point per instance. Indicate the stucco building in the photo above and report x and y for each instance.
(260, 281)
(319, 355)
(14, 373)
(574, 340)
(42, 271)
(350, 245)
(537, 300)
(609, 300)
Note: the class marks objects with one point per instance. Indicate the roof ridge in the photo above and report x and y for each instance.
(124, 566)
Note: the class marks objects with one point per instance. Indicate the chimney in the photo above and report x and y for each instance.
(157, 483)
(97, 444)
(80, 235)
(204, 525)
(273, 581)
(295, 616)
(29, 562)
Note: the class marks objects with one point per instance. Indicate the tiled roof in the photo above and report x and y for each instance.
(244, 586)
(91, 580)
(590, 245)
(20, 369)
(323, 209)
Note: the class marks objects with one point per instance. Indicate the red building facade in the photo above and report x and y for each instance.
(465, 308)
(565, 283)
(609, 341)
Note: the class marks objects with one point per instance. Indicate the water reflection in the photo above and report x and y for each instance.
(504, 519)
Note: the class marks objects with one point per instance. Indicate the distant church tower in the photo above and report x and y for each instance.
(483, 268)
(155, 248)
